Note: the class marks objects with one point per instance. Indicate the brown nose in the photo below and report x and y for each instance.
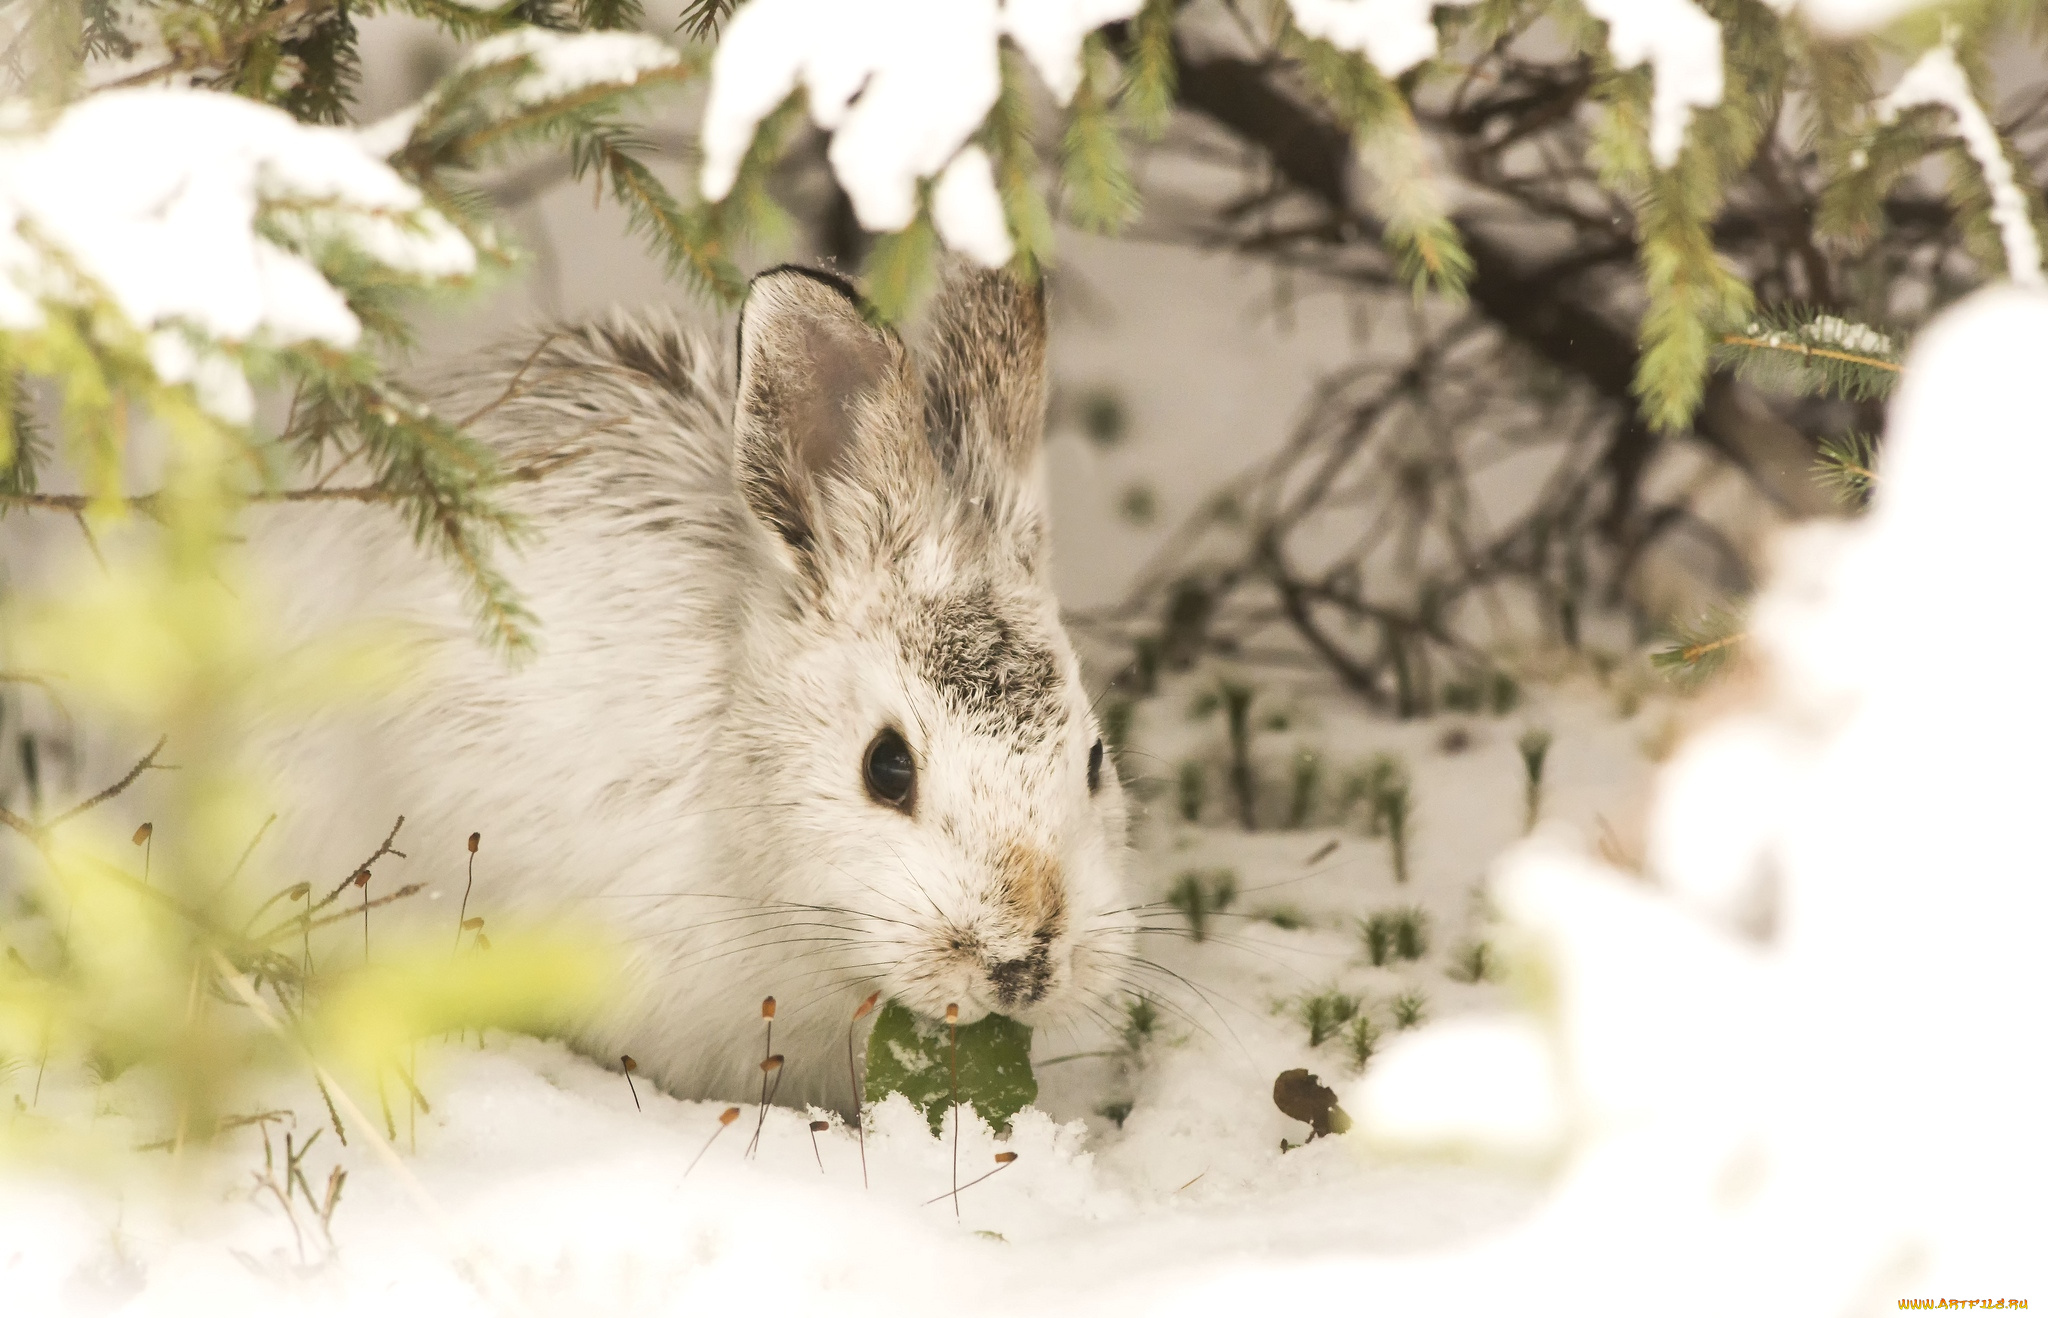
(1021, 982)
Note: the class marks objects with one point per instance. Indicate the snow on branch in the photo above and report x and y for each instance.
(1682, 46)
(1396, 35)
(168, 222)
(1676, 38)
(1937, 79)
(901, 85)
(564, 63)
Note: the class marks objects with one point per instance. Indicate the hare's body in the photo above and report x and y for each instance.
(755, 627)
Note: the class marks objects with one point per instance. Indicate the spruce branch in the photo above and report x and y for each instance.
(899, 268)
(1098, 192)
(1847, 465)
(1700, 650)
(23, 448)
(1808, 352)
(690, 243)
(702, 18)
(217, 51)
(1390, 148)
(1691, 286)
(1006, 136)
(609, 15)
(1151, 77)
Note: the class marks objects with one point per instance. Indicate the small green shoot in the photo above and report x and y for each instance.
(1463, 695)
(1366, 786)
(1398, 934)
(1409, 1009)
(1141, 1022)
(1395, 807)
(1199, 894)
(1306, 787)
(1361, 1040)
(1473, 963)
(1535, 747)
(1103, 416)
(1235, 699)
(1324, 1014)
(1193, 786)
(1139, 504)
(1285, 917)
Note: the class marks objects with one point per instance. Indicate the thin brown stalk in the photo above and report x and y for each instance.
(462, 916)
(860, 1116)
(953, 1028)
(1002, 1160)
(725, 1118)
(767, 1052)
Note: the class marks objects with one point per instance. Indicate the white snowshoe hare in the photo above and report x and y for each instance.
(803, 719)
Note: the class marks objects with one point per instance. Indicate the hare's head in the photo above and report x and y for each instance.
(909, 697)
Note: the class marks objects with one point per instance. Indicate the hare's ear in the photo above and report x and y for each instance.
(984, 389)
(818, 384)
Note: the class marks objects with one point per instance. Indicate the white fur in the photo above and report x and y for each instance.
(681, 762)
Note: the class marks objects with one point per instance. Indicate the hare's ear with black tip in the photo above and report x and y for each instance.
(984, 390)
(820, 391)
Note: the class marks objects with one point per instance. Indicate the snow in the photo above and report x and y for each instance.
(1050, 32)
(903, 84)
(969, 212)
(1795, 1069)
(546, 1183)
(1682, 46)
(1828, 332)
(1396, 35)
(164, 223)
(387, 136)
(1850, 17)
(568, 62)
(1483, 1085)
(1936, 79)
(1840, 1107)
(925, 73)
(1676, 38)
(1850, 335)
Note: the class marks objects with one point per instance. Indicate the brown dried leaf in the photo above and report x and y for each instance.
(1306, 1098)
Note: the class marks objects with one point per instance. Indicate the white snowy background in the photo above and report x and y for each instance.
(1777, 1050)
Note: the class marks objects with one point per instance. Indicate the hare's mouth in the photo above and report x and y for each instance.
(1022, 981)
(1010, 976)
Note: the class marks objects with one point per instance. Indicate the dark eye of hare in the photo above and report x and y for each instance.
(1095, 767)
(891, 773)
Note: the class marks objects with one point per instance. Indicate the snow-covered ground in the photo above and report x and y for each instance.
(536, 1181)
(1800, 1072)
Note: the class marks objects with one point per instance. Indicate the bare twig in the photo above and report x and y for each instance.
(373, 492)
(142, 766)
(512, 386)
